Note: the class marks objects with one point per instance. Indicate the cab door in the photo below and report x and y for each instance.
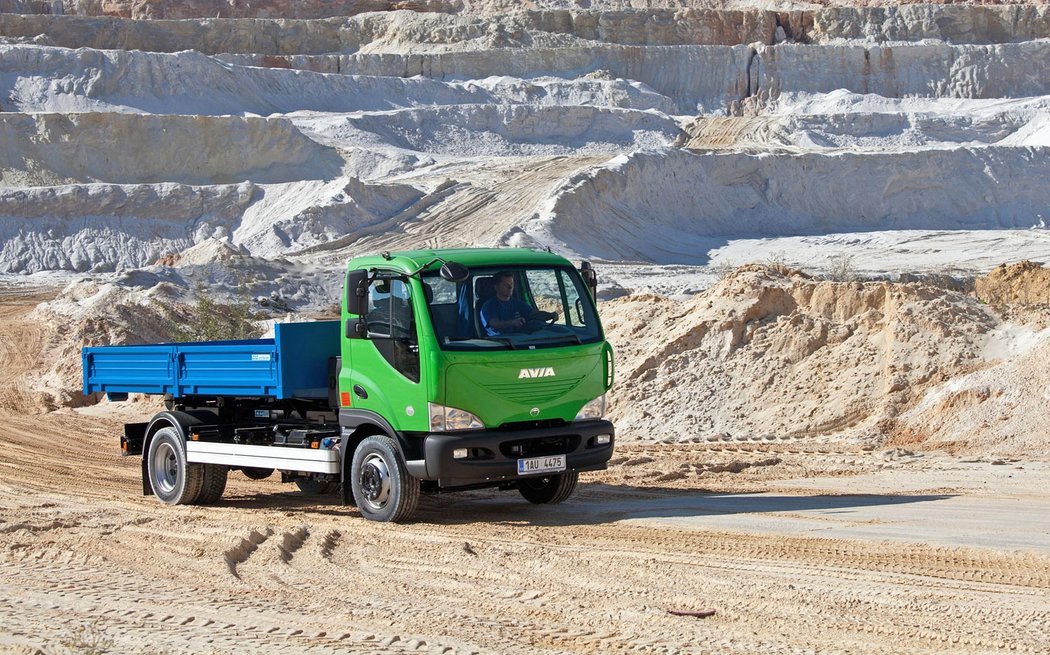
(386, 376)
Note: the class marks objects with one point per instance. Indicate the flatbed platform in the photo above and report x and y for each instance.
(293, 364)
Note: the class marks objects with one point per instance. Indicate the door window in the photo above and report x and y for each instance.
(548, 290)
(391, 325)
(575, 310)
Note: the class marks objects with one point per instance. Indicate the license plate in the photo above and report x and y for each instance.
(550, 464)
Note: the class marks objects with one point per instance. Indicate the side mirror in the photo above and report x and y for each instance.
(357, 292)
(454, 272)
(356, 303)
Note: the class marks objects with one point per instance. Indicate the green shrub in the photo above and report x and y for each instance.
(210, 320)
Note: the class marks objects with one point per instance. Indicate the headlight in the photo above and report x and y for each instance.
(592, 410)
(447, 419)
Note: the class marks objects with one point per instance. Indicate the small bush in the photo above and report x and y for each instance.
(722, 270)
(209, 320)
(841, 268)
(777, 259)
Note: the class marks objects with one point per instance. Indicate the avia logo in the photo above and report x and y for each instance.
(546, 372)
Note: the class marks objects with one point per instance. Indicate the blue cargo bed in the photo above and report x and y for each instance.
(294, 364)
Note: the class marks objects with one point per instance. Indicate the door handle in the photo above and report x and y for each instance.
(360, 392)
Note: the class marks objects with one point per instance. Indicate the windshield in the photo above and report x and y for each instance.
(512, 308)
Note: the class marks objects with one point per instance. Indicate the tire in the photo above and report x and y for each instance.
(549, 489)
(313, 487)
(214, 484)
(253, 473)
(383, 489)
(174, 480)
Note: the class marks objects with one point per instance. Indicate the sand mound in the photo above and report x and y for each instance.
(295, 217)
(1023, 283)
(670, 206)
(51, 149)
(874, 123)
(996, 412)
(41, 79)
(714, 79)
(705, 79)
(86, 313)
(921, 69)
(769, 351)
(695, 78)
(502, 130)
(204, 253)
(103, 227)
(100, 227)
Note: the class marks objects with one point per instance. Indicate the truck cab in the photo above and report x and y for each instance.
(471, 404)
(447, 370)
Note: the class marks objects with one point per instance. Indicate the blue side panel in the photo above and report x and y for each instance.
(246, 368)
(294, 364)
(303, 351)
(124, 369)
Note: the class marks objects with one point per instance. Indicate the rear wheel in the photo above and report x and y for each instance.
(383, 489)
(214, 484)
(549, 489)
(174, 480)
(313, 487)
(253, 473)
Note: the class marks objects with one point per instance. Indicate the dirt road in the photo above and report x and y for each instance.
(787, 561)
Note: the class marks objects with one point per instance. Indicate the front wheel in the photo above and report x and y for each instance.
(383, 489)
(174, 480)
(549, 489)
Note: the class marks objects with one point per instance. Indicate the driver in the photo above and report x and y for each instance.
(503, 313)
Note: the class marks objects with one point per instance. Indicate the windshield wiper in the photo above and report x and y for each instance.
(505, 341)
(558, 337)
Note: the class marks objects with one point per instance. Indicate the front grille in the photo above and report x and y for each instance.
(532, 425)
(532, 391)
(540, 447)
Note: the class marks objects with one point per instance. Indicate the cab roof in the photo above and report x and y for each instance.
(410, 260)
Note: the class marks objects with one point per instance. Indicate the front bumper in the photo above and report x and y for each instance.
(494, 454)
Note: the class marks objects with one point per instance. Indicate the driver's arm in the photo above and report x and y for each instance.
(493, 323)
(505, 325)
(540, 315)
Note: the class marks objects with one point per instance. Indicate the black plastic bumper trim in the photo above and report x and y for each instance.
(496, 467)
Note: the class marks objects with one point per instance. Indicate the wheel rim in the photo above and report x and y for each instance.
(165, 468)
(375, 481)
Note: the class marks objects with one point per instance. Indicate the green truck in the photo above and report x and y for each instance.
(448, 370)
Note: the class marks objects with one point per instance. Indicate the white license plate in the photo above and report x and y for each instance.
(550, 464)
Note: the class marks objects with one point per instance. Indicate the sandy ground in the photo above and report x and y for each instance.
(668, 146)
(798, 545)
